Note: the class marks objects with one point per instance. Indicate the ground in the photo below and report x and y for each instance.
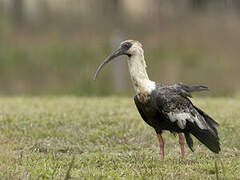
(105, 138)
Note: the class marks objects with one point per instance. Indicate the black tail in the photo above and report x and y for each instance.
(205, 136)
(189, 141)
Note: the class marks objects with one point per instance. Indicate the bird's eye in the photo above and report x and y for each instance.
(126, 45)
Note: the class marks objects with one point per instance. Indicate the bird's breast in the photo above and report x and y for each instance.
(143, 96)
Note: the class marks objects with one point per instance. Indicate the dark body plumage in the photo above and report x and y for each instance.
(168, 108)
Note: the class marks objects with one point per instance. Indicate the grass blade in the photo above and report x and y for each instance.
(69, 168)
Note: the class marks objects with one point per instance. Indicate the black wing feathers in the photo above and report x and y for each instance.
(205, 137)
(186, 90)
(213, 124)
(192, 88)
(174, 103)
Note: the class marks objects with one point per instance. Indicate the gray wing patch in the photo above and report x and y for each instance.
(181, 117)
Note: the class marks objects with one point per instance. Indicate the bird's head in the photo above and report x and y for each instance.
(128, 48)
(132, 47)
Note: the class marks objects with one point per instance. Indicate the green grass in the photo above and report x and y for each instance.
(105, 138)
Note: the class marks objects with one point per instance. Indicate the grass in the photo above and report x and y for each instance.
(105, 138)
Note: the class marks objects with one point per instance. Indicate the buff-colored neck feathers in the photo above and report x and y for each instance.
(137, 68)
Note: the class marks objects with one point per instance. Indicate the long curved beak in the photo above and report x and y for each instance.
(120, 51)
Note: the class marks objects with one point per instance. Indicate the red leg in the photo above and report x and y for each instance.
(181, 142)
(161, 143)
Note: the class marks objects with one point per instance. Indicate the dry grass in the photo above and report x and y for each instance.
(94, 138)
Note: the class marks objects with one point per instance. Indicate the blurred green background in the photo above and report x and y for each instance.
(53, 47)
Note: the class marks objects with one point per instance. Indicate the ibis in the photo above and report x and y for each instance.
(164, 107)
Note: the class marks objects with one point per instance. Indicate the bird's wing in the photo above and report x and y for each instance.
(176, 107)
(186, 90)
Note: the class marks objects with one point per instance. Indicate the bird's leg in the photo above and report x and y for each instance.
(181, 142)
(161, 143)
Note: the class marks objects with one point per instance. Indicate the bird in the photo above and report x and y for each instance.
(166, 107)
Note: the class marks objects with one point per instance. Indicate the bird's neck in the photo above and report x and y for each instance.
(137, 68)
